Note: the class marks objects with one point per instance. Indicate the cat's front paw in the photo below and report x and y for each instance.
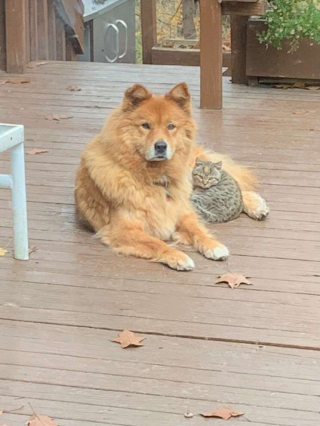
(216, 252)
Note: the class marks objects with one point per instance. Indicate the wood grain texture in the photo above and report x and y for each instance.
(211, 54)
(2, 36)
(256, 349)
(148, 29)
(239, 49)
(42, 21)
(16, 46)
(52, 31)
(33, 19)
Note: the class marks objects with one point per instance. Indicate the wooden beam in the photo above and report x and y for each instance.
(239, 49)
(211, 54)
(244, 8)
(15, 36)
(33, 19)
(186, 57)
(52, 30)
(43, 43)
(148, 29)
(60, 39)
(2, 36)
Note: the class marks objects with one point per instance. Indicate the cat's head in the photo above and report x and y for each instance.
(206, 174)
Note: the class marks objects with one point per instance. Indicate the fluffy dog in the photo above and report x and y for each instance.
(133, 185)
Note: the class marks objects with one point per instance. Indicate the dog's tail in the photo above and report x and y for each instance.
(246, 179)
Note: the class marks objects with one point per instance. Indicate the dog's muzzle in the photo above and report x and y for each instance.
(159, 151)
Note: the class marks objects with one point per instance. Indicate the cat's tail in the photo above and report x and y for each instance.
(245, 178)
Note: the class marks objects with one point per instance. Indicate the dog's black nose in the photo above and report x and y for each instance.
(160, 147)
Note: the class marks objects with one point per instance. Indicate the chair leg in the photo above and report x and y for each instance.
(19, 203)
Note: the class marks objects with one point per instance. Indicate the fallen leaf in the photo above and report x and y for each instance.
(35, 64)
(127, 338)
(36, 151)
(223, 413)
(2, 82)
(188, 415)
(58, 117)
(301, 112)
(3, 253)
(313, 88)
(37, 420)
(233, 279)
(299, 85)
(282, 86)
(16, 80)
(73, 88)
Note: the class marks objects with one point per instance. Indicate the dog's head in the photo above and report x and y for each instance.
(156, 127)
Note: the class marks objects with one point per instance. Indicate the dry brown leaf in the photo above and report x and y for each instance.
(299, 85)
(16, 80)
(188, 415)
(233, 279)
(3, 252)
(36, 151)
(36, 64)
(282, 86)
(301, 112)
(58, 117)
(38, 420)
(313, 88)
(73, 88)
(126, 338)
(223, 413)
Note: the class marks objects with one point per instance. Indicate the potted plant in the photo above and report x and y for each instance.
(286, 43)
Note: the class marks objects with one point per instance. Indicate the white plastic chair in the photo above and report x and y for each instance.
(12, 138)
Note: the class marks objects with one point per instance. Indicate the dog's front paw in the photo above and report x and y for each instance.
(178, 260)
(220, 252)
(255, 206)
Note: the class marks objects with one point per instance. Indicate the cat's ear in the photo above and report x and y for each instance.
(219, 165)
(198, 162)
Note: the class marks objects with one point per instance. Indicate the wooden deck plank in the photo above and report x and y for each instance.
(255, 348)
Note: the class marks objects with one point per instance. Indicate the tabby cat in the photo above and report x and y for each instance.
(216, 195)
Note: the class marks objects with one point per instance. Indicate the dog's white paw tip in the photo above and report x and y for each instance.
(185, 265)
(221, 253)
(218, 253)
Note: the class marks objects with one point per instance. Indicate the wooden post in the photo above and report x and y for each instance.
(33, 18)
(148, 29)
(239, 49)
(43, 45)
(16, 36)
(2, 37)
(189, 29)
(210, 54)
(52, 30)
(60, 39)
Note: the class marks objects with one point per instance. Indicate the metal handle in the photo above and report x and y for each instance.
(116, 29)
(125, 26)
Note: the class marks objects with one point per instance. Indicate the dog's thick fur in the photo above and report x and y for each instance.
(135, 204)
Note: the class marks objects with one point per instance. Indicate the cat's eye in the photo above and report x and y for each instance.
(146, 126)
(171, 126)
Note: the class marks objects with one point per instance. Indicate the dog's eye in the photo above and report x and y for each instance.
(146, 126)
(171, 126)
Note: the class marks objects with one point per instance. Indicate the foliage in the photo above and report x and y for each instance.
(291, 20)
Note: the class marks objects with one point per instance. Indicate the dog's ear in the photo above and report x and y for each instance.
(181, 96)
(134, 96)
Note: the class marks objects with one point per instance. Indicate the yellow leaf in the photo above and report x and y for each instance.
(3, 251)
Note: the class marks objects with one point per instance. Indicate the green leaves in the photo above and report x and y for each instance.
(291, 20)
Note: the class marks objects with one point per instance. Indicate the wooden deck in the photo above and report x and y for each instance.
(255, 349)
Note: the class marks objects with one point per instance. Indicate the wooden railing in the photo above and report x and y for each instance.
(209, 56)
(32, 30)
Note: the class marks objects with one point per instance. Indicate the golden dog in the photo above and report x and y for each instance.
(133, 185)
